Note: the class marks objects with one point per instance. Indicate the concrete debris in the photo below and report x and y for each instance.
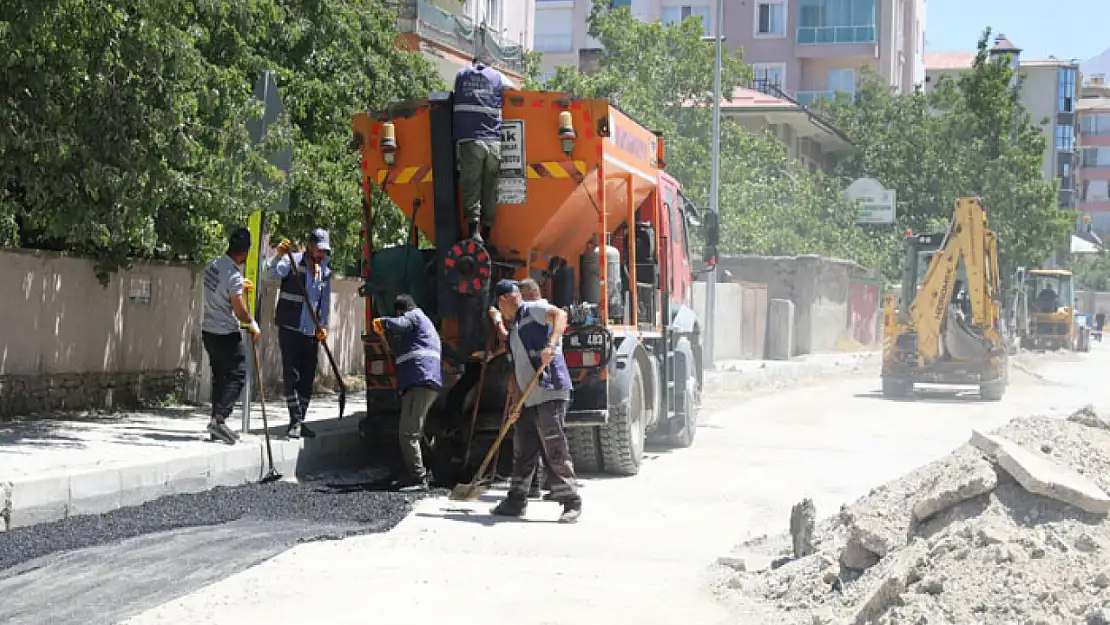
(1088, 417)
(1006, 529)
(803, 522)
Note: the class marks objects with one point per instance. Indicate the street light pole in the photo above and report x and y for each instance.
(714, 189)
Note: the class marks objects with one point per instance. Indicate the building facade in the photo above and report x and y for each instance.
(1094, 162)
(1050, 92)
(807, 48)
(450, 32)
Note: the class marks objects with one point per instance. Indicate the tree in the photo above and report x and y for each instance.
(662, 76)
(970, 135)
(123, 122)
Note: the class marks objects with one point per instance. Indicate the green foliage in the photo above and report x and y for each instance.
(970, 135)
(1092, 271)
(123, 122)
(662, 76)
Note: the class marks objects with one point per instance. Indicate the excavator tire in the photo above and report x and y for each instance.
(896, 389)
(992, 391)
(622, 439)
(584, 449)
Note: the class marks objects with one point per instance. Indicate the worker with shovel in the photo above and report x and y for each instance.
(224, 311)
(535, 339)
(305, 279)
(419, 379)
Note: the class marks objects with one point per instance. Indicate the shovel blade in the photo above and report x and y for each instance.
(467, 492)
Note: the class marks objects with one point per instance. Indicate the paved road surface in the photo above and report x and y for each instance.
(641, 551)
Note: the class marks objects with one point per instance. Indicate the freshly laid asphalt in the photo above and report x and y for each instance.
(101, 569)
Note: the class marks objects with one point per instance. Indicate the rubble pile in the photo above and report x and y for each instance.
(1010, 528)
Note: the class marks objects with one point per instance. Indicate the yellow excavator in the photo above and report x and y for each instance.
(1045, 312)
(945, 329)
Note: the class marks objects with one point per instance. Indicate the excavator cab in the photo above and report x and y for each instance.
(1048, 302)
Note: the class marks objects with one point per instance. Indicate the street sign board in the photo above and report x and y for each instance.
(876, 205)
(265, 90)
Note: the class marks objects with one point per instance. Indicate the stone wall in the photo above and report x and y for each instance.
(70, 343)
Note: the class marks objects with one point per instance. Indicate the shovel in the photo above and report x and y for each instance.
(473, 490)
(272, 475)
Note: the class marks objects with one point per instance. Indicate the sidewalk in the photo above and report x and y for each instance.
(52, 468)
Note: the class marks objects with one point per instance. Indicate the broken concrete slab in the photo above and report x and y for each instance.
(973, 477)
(803, 523)
(887, 592)
(1089, 417)
(865, 547)
(1042, 476)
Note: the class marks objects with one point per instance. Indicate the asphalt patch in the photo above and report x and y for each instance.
(319, 511)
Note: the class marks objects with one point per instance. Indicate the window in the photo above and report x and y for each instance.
(1095, 125)
(770, 74)
(1065, 100)
(836, 21)
(1096, 191)
(770, 18)
(676, 14)
(842, 79)
(1096, 157)
(1065, 138)
(555, 28)
(492, 14)
(617, 4)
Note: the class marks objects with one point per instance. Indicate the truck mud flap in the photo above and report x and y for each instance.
(581, 418)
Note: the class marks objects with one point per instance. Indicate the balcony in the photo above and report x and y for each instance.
(808, 98)
(822, 35)
(451, 29)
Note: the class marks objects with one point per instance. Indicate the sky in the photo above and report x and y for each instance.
(1070, 29)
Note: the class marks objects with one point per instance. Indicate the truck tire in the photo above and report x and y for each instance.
(992, 391)
(685, 426)
(584, 450)
(622, 439)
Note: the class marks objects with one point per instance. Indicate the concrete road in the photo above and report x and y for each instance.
(641, 551)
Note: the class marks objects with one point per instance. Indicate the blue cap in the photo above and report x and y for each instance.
(319, 238)
(505, 287)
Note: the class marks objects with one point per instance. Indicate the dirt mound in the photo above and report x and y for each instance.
(962, 540)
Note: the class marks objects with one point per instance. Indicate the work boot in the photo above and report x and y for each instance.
(476, 234)
(411, 484)
(534, 490)
(513, 506)
(550, 496)
(218, 431)
(572, 509)
(299, 430)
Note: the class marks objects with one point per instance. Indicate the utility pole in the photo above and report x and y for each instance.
(714, 188)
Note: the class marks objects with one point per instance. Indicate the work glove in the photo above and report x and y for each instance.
(256, 332)
(379, 329)
(321, 335)
(495, 316)
(248, 286)
(283, 247)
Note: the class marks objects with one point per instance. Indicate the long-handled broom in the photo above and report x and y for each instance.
(473, 490)
(272, 475)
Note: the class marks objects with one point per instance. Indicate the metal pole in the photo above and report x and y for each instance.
(714, 189)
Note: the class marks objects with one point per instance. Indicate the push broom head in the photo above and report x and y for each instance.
(468, 492)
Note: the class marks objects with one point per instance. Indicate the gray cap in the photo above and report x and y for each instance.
(319, 238)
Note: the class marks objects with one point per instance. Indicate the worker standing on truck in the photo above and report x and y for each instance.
(419, 380)
(298, 336)
(476, 118)
(224, 311)
(535, 338)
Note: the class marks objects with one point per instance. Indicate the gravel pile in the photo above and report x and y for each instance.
(958, 541)
(328, 509)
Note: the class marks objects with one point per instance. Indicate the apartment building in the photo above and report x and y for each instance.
(1094, 143)
(451, 32)
(808, 49)
(1050, 92)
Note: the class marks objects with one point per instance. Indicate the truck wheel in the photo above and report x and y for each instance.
(895, 389)
(688, 421)
(584, 450)
(622, 439)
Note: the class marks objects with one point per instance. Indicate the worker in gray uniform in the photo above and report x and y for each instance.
(224, 313)
(536, 338)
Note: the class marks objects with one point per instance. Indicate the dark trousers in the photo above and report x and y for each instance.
(415, 404)
(299, 353)
(228, 362)
(539, 433)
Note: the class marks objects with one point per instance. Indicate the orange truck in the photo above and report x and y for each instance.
(574, 172)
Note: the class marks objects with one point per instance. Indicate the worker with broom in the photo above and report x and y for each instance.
(299, 334)
(535, 340)
(224, 311)
(419, 380)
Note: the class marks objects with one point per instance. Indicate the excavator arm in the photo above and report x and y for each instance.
(967, 240)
